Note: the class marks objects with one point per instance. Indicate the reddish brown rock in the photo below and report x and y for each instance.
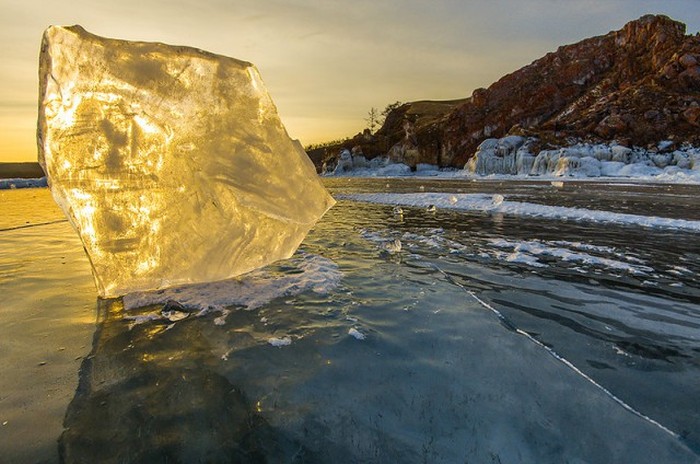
(692, 115)
(688, 60)
(628, 84)
(640, 84)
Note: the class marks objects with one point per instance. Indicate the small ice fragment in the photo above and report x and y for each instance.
(393, 247)
(496, 200)
(221, 320)
(620, 351)
(557, 184)
(353, 332)
(279, 342)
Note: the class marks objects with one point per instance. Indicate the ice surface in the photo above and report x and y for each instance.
(485, 203)
(170, 162)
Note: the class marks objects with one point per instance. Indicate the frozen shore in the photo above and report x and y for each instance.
(512, 158)
(22, 183)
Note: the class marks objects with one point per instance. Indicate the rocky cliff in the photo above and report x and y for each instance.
(639, 86)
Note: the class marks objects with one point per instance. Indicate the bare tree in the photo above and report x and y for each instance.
(372, 119)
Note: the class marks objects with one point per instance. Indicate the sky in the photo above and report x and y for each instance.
(326, 63)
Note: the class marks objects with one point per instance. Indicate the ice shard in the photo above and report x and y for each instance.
(170, 162)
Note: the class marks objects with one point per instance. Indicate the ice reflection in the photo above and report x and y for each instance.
(148, 396)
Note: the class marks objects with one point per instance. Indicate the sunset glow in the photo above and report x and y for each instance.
(325, 64)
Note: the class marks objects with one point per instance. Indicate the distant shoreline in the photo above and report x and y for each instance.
(21, 171)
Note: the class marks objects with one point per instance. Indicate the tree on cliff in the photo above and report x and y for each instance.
(372, 119)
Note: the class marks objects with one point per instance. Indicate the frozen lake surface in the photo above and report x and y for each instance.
(435, 321)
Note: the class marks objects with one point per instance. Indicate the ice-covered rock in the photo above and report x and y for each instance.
(611, 168)
(496, 156)
(512, 156)
(680, 159)
(694, 158)
(661, 160)
(425, 169)
(344, 162)
(586, 166)
(379, 162)
(170, 162)
(621, 154)
(602, 153)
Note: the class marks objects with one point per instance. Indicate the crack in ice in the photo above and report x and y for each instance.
(510, 326)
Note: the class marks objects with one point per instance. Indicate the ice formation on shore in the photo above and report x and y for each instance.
(512, 156)
(170, 162)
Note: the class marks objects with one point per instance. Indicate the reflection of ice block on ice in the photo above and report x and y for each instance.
(170, 162)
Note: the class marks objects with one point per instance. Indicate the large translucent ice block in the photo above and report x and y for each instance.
(170, 162)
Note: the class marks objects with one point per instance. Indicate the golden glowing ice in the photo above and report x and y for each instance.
(170, 162)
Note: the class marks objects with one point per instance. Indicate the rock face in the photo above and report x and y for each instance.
(639, 85)
(405, 129)
(170, 162)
